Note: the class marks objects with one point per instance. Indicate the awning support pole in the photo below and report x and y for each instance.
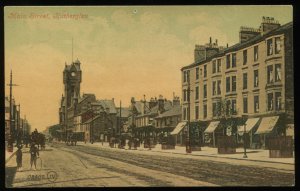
(214, 141)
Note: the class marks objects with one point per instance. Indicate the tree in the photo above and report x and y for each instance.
(226, 112)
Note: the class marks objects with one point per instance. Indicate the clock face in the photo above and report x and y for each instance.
(73, 74)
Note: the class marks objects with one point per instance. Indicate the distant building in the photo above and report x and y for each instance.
(145, 117)
(122, 119)
(85, 116)
(252, 79)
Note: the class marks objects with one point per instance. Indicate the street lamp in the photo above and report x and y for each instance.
(244, 137)
(188, 142)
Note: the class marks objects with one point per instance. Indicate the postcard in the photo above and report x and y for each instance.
(147, 96)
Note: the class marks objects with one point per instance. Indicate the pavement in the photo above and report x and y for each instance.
(259, 155)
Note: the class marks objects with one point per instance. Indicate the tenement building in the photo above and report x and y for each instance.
(247, 87)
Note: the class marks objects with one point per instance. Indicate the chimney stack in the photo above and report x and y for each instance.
(161, 103)
(209, 40)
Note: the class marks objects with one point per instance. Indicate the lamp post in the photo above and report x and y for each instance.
(244, 137)
(188, 142)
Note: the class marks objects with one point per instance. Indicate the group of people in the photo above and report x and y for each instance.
(34, 154)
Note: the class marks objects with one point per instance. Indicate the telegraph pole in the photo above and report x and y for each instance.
(11, 132)
(120, 120)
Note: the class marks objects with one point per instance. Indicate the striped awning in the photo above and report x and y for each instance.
(267, 125)
(178, 128)
(250, 123)
(212, 127)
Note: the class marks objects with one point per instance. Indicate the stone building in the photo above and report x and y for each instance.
(84, 115)
(250, 82)
(100, 121)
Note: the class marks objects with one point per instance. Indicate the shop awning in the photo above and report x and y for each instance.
(267, 125)
(78, 132)
(178, 128)
(212, 127)
(250, 123)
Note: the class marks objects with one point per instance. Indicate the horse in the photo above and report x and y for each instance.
(39, 139)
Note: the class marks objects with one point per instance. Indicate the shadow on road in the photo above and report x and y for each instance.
(10, 173)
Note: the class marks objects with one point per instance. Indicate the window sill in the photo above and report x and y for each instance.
(244, 67)
(245, 91)
(274, 85)
(273, 56)
(216, 75)
(231, 70)
(231, 94)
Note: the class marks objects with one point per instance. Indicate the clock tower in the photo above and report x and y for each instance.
(72, 80)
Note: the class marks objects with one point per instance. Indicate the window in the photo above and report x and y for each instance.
(277, 72)
(255, 53)
(277, 45)
(214, 67)
(245, 81)
(204, 90)
(219, 87)
(233, 79)
(228, 61)
(270, 101)
(270, 74)
(184, 113)
(184, 95)
(219, 65)
(227, 84)
(205, 71)
(233, 106)
(244, 57)
(214, 90)
(197, 73)
(269, 47)
(196, 112)
(204, 111)
(214, 109)
(227, 107)
(255, 78)
(233, 60)
(278, 100)
(188, 76)
(245, 104)
(256, 104)
(188, 96)
(184, 76)
(197, 93)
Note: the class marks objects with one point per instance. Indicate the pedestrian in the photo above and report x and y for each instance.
(19, 157)
(34, 154)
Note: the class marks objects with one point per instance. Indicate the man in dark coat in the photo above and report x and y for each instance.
(34, 154)
(19, 157)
